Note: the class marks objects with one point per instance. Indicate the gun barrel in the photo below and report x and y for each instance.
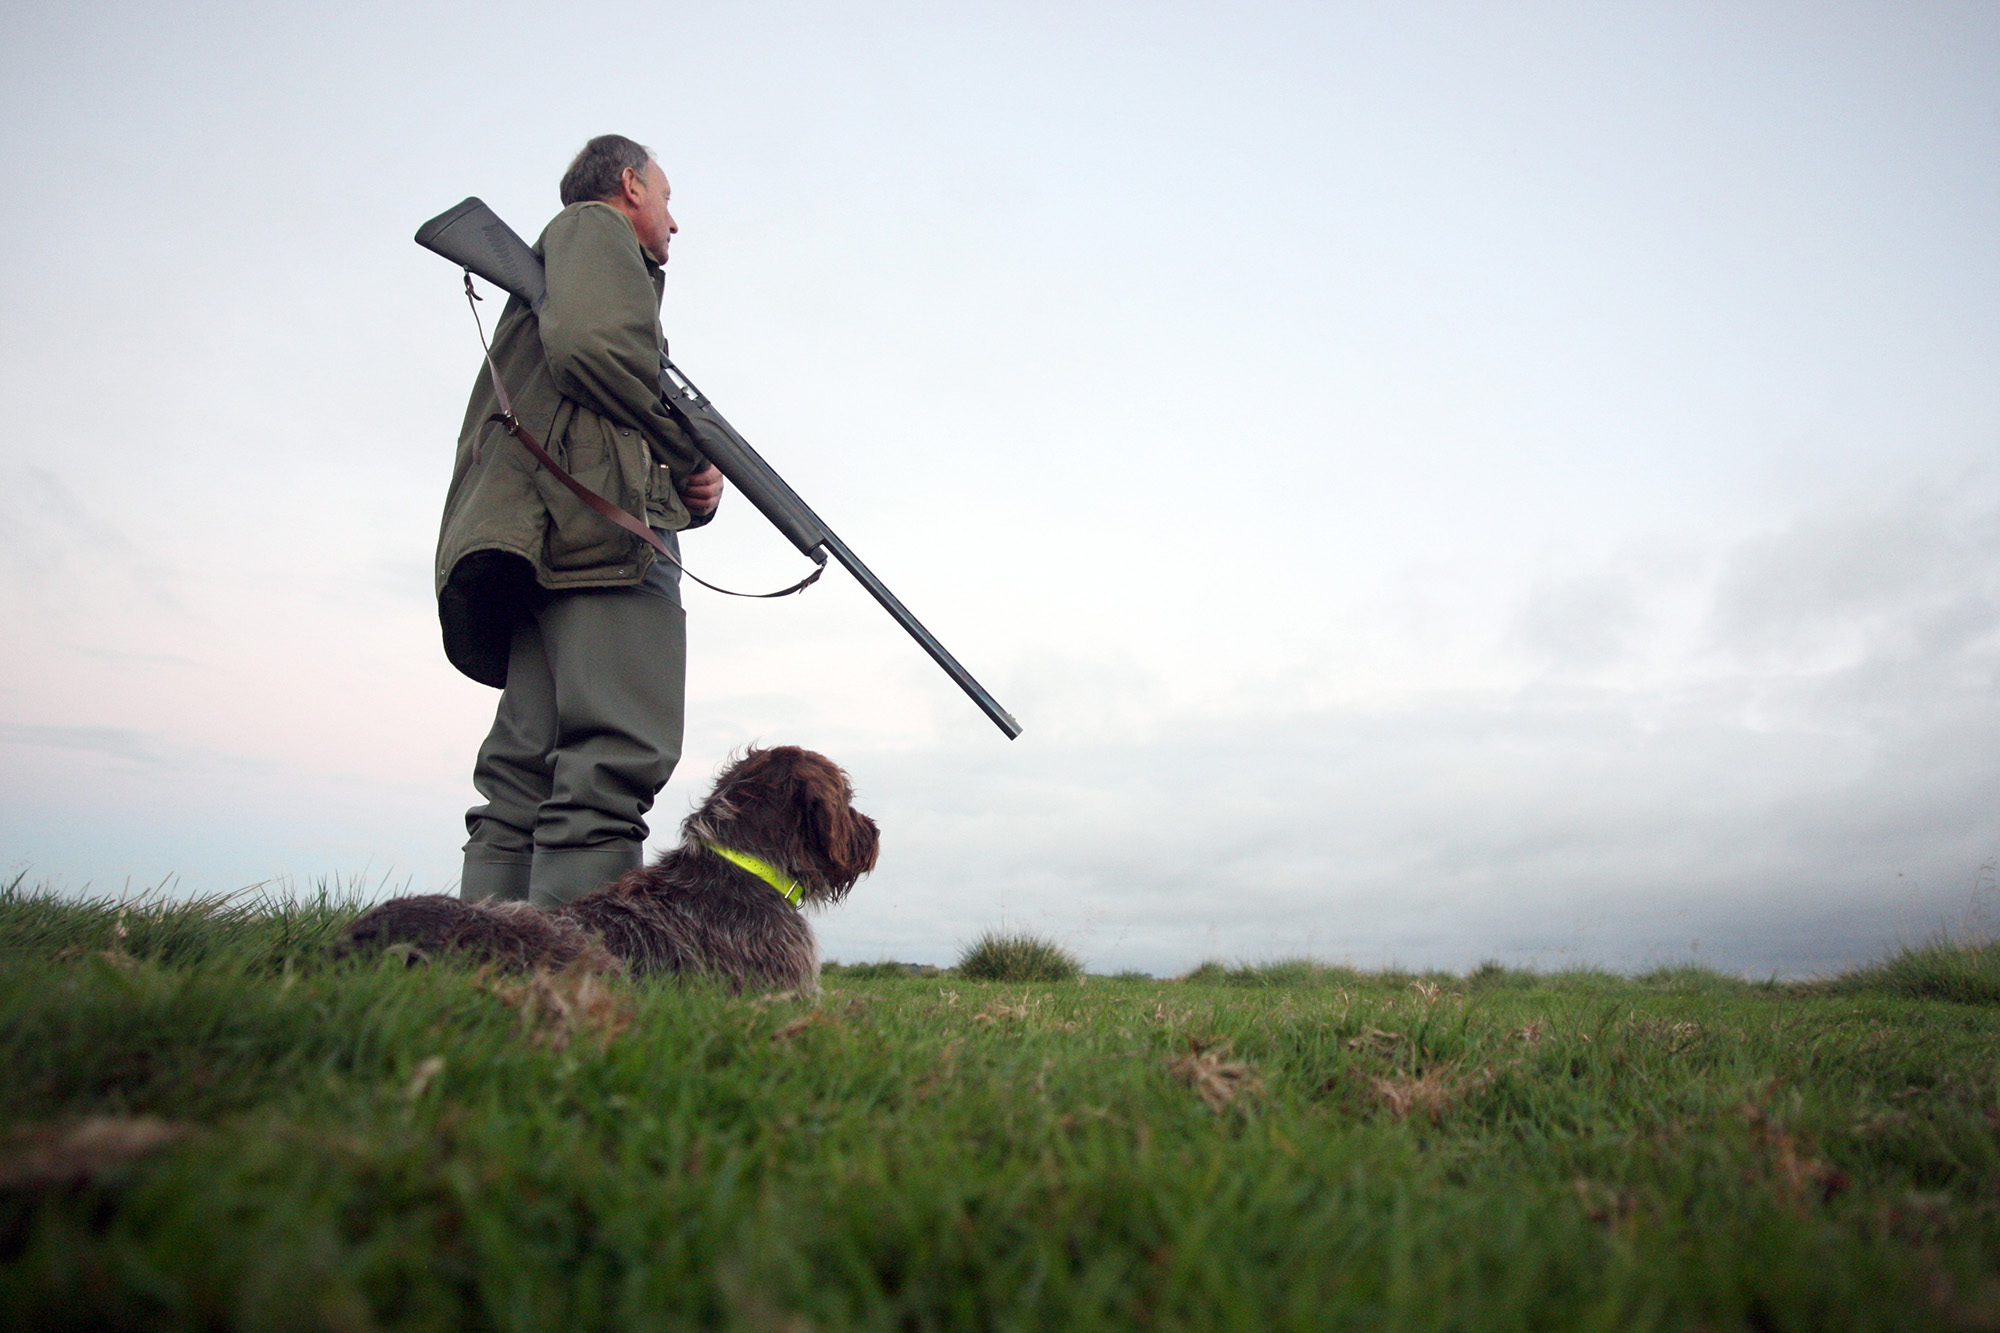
(925, 639)
(734, 456)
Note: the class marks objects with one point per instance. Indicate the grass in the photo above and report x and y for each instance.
(205, 1124)
(1015, 956)
(1940, 969)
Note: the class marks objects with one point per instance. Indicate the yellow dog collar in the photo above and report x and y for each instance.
(794, 891)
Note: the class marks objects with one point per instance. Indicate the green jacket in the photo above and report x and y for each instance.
(585, 378)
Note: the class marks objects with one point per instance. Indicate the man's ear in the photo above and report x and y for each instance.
(632, 182)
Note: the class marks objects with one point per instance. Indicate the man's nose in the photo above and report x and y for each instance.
(673, 227)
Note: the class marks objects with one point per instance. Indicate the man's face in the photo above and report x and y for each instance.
(646, 197)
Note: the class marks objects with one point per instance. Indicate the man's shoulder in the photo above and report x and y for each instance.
(593, 211)
(592, 223)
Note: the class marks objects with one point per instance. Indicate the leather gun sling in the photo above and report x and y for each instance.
(505, 416)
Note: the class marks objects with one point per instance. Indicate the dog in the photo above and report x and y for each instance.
(777, 834)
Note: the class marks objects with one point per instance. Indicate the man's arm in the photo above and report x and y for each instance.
(601, 330)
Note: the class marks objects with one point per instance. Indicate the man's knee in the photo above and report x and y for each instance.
(617, 661)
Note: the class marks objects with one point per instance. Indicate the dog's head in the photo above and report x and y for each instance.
(796, 808)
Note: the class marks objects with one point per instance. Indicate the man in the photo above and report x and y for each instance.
(576, 620)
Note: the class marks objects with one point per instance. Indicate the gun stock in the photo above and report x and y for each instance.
(473, 237)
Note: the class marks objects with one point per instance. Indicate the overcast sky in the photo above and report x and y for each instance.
(1435, 482)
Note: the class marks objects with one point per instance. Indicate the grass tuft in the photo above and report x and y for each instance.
(1963, 971)
(257, 928)
(1278, 973)
(885, 970)
(996, 956)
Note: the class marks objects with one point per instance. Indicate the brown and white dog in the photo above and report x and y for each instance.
(778, 832)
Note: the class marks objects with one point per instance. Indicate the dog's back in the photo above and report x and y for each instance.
(514, 935)
(692, 911)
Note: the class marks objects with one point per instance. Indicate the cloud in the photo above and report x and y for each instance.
(63, 554)
(1918, 577)
(1586, 622)
(1760, 815)
(115, 742)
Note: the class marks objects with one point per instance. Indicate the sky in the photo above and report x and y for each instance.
(1436, 482)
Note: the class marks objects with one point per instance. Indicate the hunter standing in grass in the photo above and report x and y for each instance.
(576, 621)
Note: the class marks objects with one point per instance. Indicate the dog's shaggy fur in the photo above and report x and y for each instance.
(691, 910)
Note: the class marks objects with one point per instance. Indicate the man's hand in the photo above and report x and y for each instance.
(702, 491)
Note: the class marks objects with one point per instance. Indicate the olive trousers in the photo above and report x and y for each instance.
(587, 732)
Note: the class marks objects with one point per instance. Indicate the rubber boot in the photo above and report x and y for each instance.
(561, 874)
(493, 879)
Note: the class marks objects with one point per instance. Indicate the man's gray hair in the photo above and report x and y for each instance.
(599, 170)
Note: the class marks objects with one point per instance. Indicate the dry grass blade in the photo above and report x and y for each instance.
(1376, 1040)
(945, 1069)
(1429, 1092)
(421, 1077)
(1675, 1037)
(41, 1156)
(1802, 1177)
(559, 1006)
(1602, 1204)
(792, 1027)
(1797, 1175)
(1217, 1080)
(1000, 1009)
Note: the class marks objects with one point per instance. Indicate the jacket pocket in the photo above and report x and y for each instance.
(664, 506)
(580, 538)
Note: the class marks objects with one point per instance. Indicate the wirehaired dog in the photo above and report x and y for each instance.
(778, 832)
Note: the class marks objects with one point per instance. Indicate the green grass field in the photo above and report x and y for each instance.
(209, 1125)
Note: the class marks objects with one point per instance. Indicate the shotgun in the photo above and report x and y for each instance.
(473, 237)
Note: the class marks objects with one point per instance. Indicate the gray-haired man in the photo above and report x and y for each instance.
(577, 621)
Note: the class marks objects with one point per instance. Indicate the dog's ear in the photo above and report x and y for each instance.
(848, 838)
(859, 844)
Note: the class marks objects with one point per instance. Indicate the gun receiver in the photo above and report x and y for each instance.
(472, 236)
